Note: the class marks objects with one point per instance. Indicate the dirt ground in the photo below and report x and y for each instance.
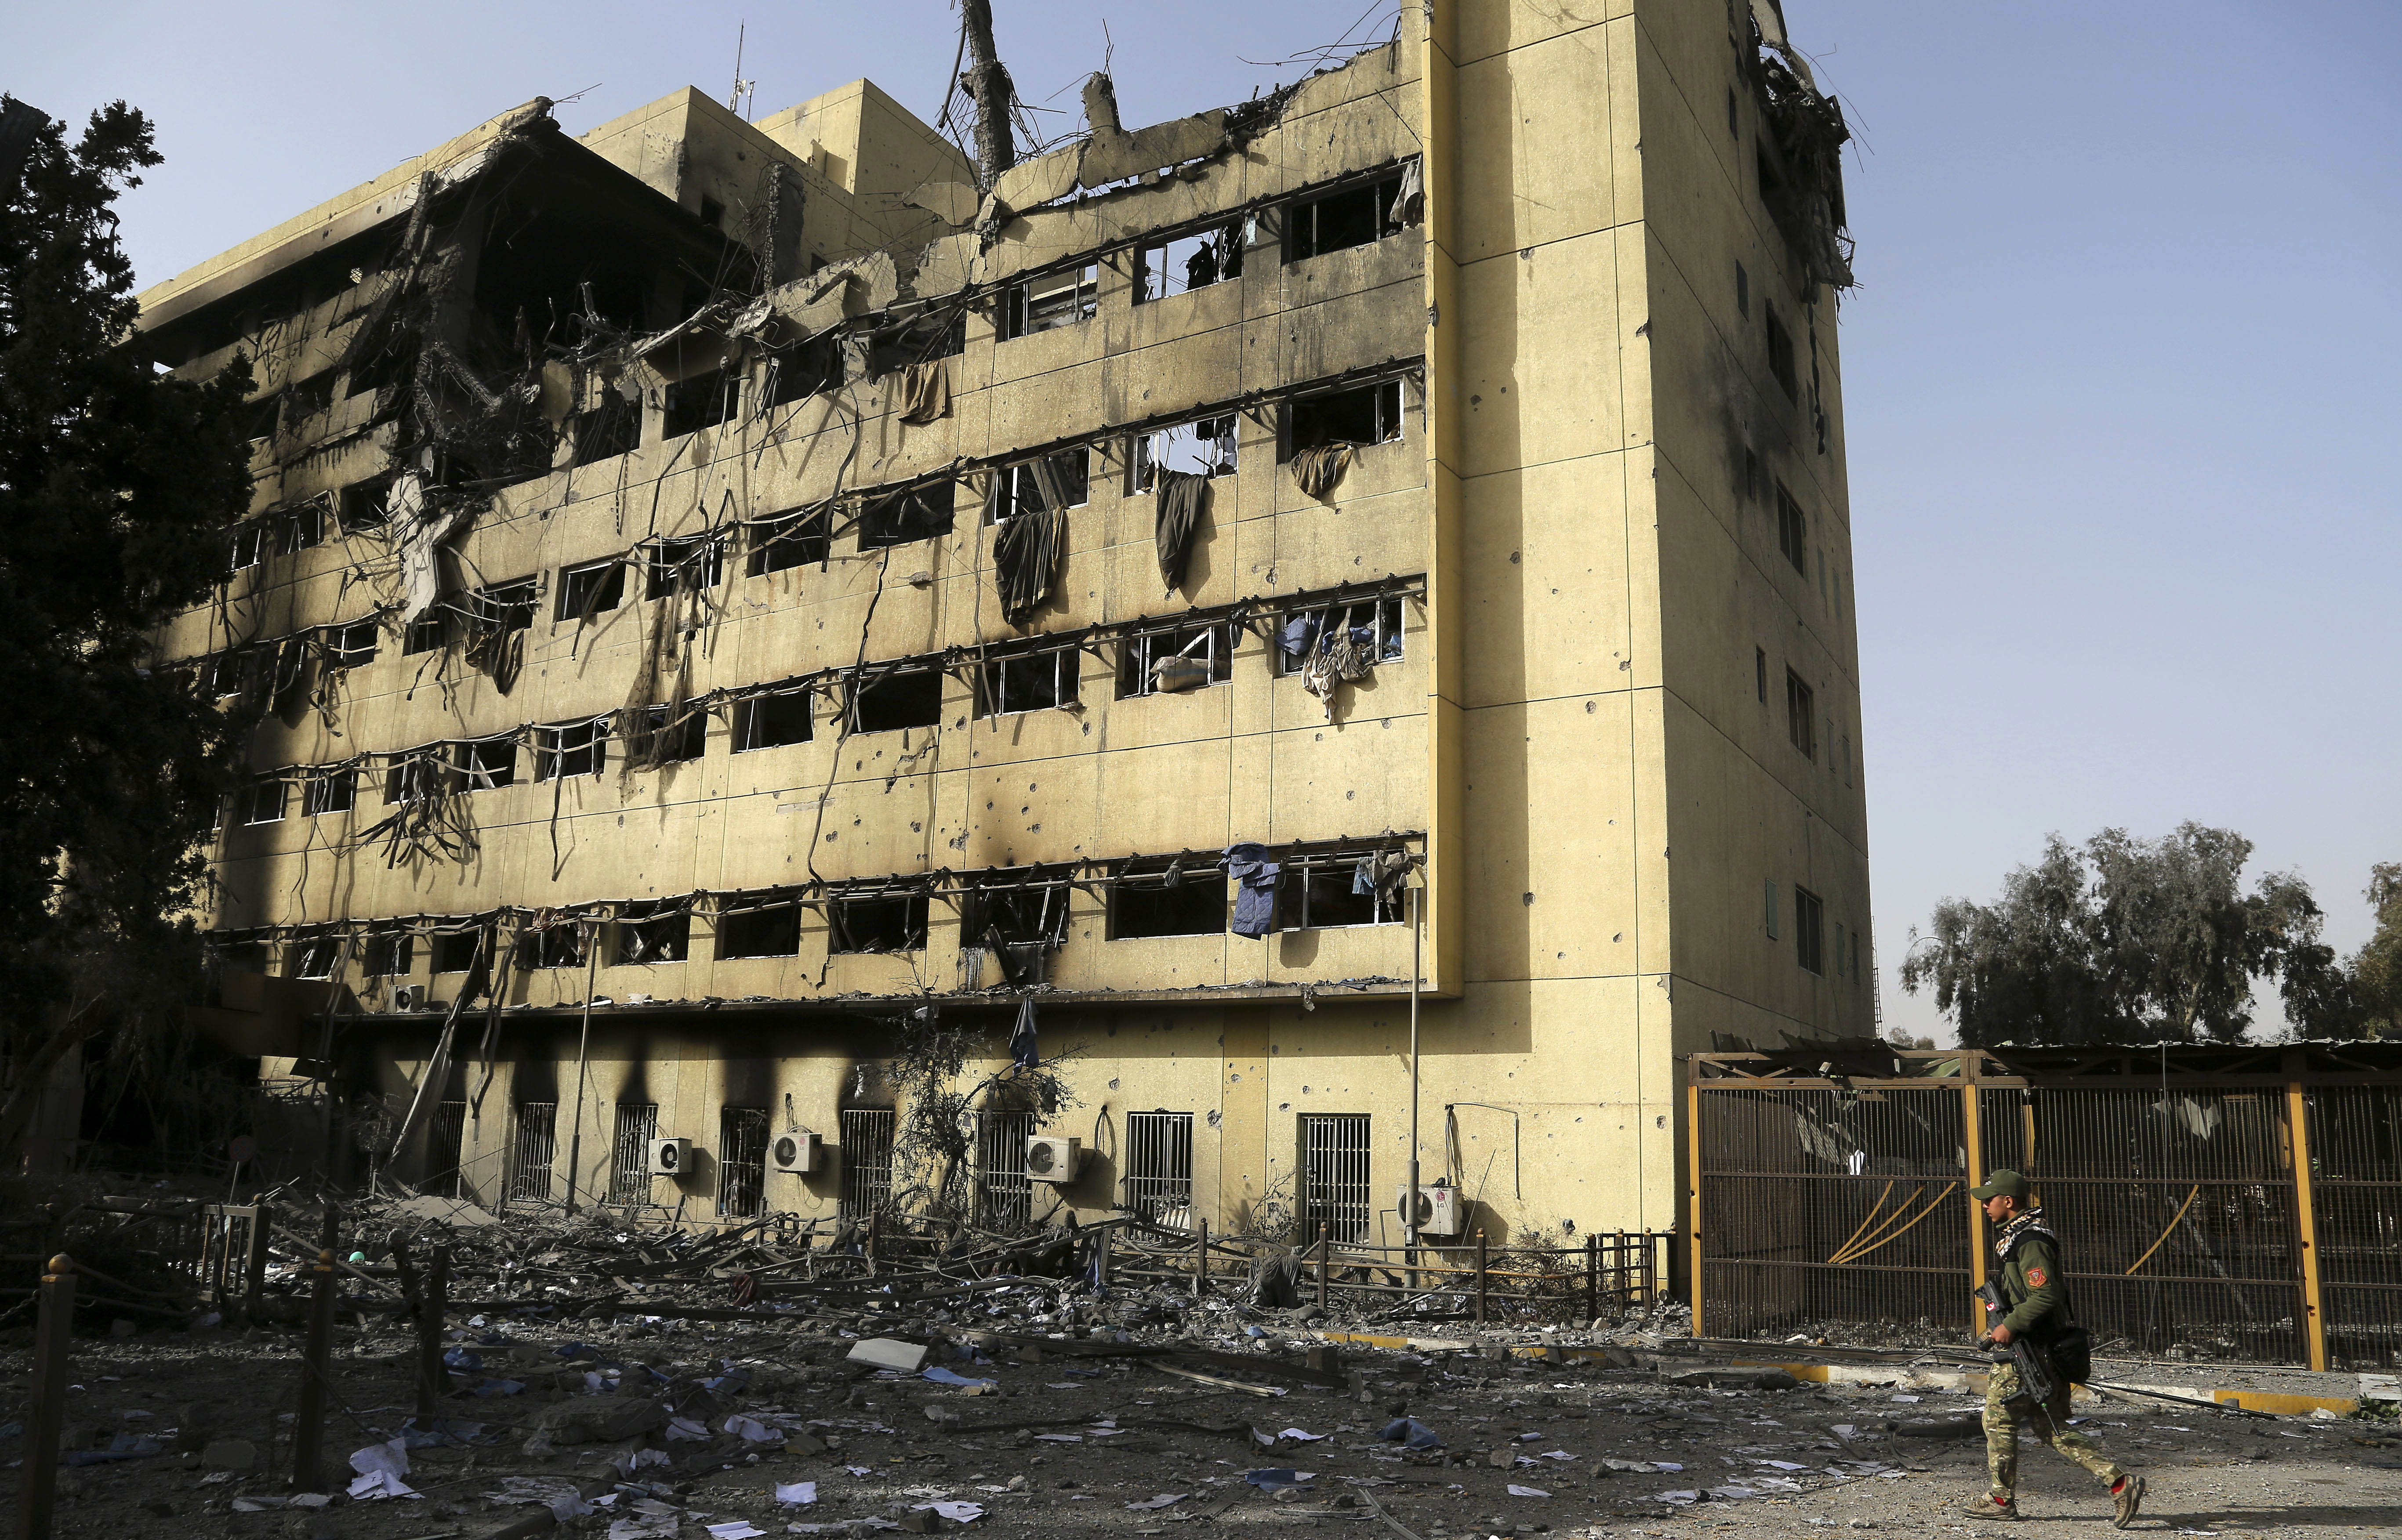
(1689, 1460)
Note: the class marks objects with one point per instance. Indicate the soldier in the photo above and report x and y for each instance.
(2036, 1300)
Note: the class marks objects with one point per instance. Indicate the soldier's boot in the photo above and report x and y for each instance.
(2126, 1496)
(1992, 1506)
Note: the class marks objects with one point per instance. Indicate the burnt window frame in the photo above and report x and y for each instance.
(801, 537)
(744, 735)
(1780, 364)
(455, 945)
(261, 800)
(249, 545)
(428, 633)
(507, 606)
(300, 528)
(798, 372)
(1226, 236)
(879, 525)
(478, 764)
(1801, 715)
(992, 905)
(563, 943)
(1305, 218)
(1792, 529)
(562, 750)
(683, 743)
(362, 504)
(1140, 652)
(1310, 879)
(664, 557)
(1389, 619)
(710, 399)
(387, 952)
(613, 428)
(1141, 876)
(842, 920)
(1003, 675)
(771, 915)
(1083, 287)
(352, 644)
(1019, 491)
(860, 684)
(330, 791)
(1145, 464)
(313, 954)
(1388, 412)
(606, 576)
(650, 934)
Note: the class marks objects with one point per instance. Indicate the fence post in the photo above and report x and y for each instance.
(316, 1368)
(1480, 1275)
(1972, 1145)
(1324, 1236)
(1693, 1194)
(2298, 1129)
(262, 1226)
(54, 1323)
(1592, 1279)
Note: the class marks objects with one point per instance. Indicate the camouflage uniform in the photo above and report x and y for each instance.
(2030, 1284)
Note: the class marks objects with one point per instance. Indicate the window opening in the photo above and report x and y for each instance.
(314, 956)
(773, 720)
(655, 932)
(629, 1164)
(1004, 1193)
(896, 699)
(1369, 414)
(260, 802)
(796, 376)
(1379, 619)
(1760, 672)
(1051, 301)
(698, 560)
(333, 792)
(594, 588)
(1159, 1167)
(1188, 657)
(361, 504)
(558, 944)
(1335, 1200)
(388, 954)
(571, 748)
(883, 923)
(613, 428)
(658, 743)
(504, 607)
(425, 633)
(1205, 448)
(1033, 681)
(455, 951)
(536, 1143)
(484, 764)
(446, 1144)
(1021, 485)
(703, 401)
(741, 1162)
(867, 1161)
(1800, 718)
(1181, 264)
(1780, 355)
(300, 529)
(1164, 896)
(1352, 216)
(919, 340)
(1807, 917)
(249, 547)
(1792, 531)
(787, 540)
(1741, 287)
(1316, 893)
(351, 646)
(916, 513)
(765, 925)
(1019, 914)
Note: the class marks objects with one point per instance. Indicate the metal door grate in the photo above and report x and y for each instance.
(529, 1163)
(1159, 1167)
(866, 1160)
(446, 1140)
(741, 1162)
(629, 1169)
(1004, 1195)
(1335, 1198)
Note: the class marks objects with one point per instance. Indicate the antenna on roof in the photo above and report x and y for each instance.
(744, 89)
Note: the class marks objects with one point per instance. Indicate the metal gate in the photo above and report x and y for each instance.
(1335, 1198)
(530, 1160)
(446, 1140)
(1159, 1167)
(741, 1162)
(1004, 1196)
(629, 1162)
(2356, 1198)
(866, 1160)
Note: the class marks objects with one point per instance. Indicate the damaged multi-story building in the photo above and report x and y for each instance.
(724, 595)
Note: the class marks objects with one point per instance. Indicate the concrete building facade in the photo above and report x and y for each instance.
(727, 597)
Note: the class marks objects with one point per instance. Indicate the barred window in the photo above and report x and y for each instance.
(1185, 658)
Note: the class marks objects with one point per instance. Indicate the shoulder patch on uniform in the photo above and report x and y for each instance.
(2035, 1277)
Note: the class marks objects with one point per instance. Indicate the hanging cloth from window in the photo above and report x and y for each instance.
(925, 392)
(1316, 470)
(1025, 1047)
(1255, 885)
(1026, 553)
(1409, 202)
(417, 531)
(1180, 497)
(1345, 653)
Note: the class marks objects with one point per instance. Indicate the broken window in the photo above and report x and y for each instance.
(1792, 531)
(759, 925)
(558, 944)
(484, 764)
(592, 589)
(1051, 301)
(1316, 893)
(1178, 264)
(422, 635)
(249, 548)
(504, 607)
(334, 791)
(741, 1162)
(387, 952)
(241, 954)
(801, 373)
(1022, 907)
(913, 513)
(456, 951)
(1167, 896)
(1801, 721)
(1365, 414)
(361, 504)
(1375, 625)
(307, 397)
(1183, 657)
(351, 646)
(1203, 447)
(663, 742)
(571, 748)
(614, 427)
(788, 540)
(1159, 1167)
(313, 956)
(918, 340)
(416, 775)
(1780, 355)
(704, 401)
(260, 802)
(227, 673)
(1028, 681)
(882, 923)
(263, 414)
(896, 698)
(699, 560)
(1350, 216)
(1021, 488)
(657, 932)
(300, 529)
(773, 719)
(1808, 915)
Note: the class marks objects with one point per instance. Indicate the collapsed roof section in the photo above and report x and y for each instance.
(1801, 155)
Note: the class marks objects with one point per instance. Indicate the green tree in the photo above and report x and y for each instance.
(116, 485)
(2375, 973)
(2127, 940)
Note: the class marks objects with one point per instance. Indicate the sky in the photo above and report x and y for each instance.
(2124, 345)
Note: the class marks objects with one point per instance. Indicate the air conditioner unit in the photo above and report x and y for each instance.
(670, 1157)
(799, 1153)
(408, 997)
(1441, 1210)
(1054, 1160)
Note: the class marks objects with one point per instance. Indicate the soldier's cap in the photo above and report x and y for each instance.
(2001, 1184)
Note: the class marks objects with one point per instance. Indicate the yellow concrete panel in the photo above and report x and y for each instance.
(1541, 367)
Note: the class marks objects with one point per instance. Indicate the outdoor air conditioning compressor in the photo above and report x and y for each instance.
(1049, 1160)
(406, 997)
(799, 1153)
(670, 1157)
(1441, 1210)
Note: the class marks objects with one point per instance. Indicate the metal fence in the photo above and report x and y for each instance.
(2231, 1203)
(536, 1147)
(866, 1160)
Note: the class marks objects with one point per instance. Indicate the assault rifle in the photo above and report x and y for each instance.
(2036, 1372)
